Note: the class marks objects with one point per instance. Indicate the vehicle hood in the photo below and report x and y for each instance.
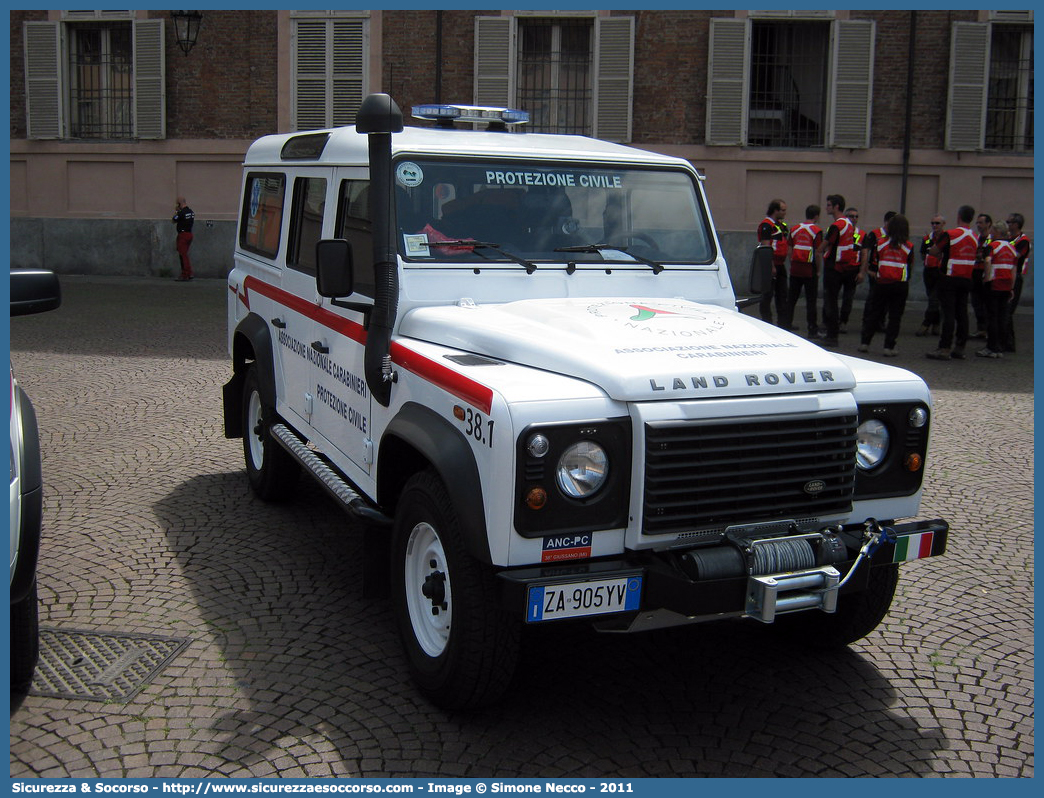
(637, 349)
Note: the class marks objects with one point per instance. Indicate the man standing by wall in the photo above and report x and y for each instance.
(806, 263)
(1021, 243)
(851, 274)
(183, 219)
(773, 232)
(931, 272)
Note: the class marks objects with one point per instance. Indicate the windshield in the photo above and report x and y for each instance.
(548, 212)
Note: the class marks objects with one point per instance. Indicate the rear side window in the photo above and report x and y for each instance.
(262, 216)
(306, 223)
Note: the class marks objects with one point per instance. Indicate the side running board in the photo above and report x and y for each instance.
(334, 483)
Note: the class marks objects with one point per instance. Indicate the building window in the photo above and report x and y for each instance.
(789, 66)
(1009, 104)
(329, 67)
(100, 81)
(574, 74)
(554, 74)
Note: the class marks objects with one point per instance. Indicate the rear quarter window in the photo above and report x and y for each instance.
(261, 220)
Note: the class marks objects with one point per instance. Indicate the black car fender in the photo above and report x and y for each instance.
(252, 341)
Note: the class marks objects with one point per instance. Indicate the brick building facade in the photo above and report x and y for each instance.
(246, 77)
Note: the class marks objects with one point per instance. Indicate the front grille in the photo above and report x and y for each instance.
(706, 476)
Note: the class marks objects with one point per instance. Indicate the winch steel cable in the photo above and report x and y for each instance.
(781, 556)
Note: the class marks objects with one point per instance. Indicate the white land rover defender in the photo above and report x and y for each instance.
(518, 358)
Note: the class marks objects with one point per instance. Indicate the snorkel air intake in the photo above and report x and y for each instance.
(379, 117)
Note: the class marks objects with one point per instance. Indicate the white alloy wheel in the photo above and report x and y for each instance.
(255, 431)
(428, 595)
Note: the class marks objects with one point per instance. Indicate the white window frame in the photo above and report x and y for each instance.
(848, 101)
(969, 81)
(612, 69)
(45, 47)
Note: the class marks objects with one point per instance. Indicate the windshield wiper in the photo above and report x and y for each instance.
(468, 242)
(599, 248)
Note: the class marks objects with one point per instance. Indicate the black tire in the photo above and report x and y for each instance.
(25, 646)
(857, 615)
(464, 655)
(272, 472)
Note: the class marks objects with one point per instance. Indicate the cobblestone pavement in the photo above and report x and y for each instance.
(291, 671)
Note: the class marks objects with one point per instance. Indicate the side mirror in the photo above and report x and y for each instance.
(761, 271)
(333, 268)
(34, 291)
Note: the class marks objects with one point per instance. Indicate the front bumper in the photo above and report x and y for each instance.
(671, 596)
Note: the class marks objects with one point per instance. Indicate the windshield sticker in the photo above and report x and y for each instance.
(409, 174)
(416, 244)
(559, 179)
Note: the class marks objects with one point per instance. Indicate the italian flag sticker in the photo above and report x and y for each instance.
(913, 547)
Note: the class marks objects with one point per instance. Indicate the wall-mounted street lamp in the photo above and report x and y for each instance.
(186, 28)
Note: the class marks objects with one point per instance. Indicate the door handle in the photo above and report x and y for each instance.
(320, 347)
(279, 323)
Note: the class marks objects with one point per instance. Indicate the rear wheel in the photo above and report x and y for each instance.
(461, 646)
(857, 615)
(270, 468)
(25, 646)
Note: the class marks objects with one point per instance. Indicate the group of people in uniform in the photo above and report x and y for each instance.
(985, 267)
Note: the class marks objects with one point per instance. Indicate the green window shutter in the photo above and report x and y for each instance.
(613, 84)
(853, 83)
(43, 80)
(728, 81)
(495, 61)
(150, 111)
(969, 75)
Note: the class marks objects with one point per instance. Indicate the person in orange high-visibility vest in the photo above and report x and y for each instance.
(851, 273)
(772, 231)
(837, 249)
(998, 287)
(930, 274)
(891, 263)
(806, 263)
(1021, 242)
(867, 253)
(977, 297)
(957, 248)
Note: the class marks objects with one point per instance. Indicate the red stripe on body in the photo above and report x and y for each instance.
(475, 394)
(316, 313)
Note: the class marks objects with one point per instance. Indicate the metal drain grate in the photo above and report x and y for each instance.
(100, 666)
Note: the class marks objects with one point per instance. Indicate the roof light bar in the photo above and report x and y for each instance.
(445, 113)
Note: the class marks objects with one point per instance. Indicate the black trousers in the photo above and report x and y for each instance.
(953, 303)
(837, 285)
(1009, 329)
(932, 315)
(810, 285)
(885, 299)
(997, 318)
(777, 296)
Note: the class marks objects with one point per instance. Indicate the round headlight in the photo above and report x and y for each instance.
(582, 470)
(871, 444)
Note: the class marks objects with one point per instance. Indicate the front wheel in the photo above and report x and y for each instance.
(25, 646)
(461, 647)
(271, 470)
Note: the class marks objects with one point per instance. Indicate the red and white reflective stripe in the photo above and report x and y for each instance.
(474, 393)
(966, 244)
(892, 262)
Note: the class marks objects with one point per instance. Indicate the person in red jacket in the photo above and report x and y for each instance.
(837, 250)
(891, 263)
(806, 263)
(957, 248)
(1016, 221)
(772, 231)
(998, 286)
